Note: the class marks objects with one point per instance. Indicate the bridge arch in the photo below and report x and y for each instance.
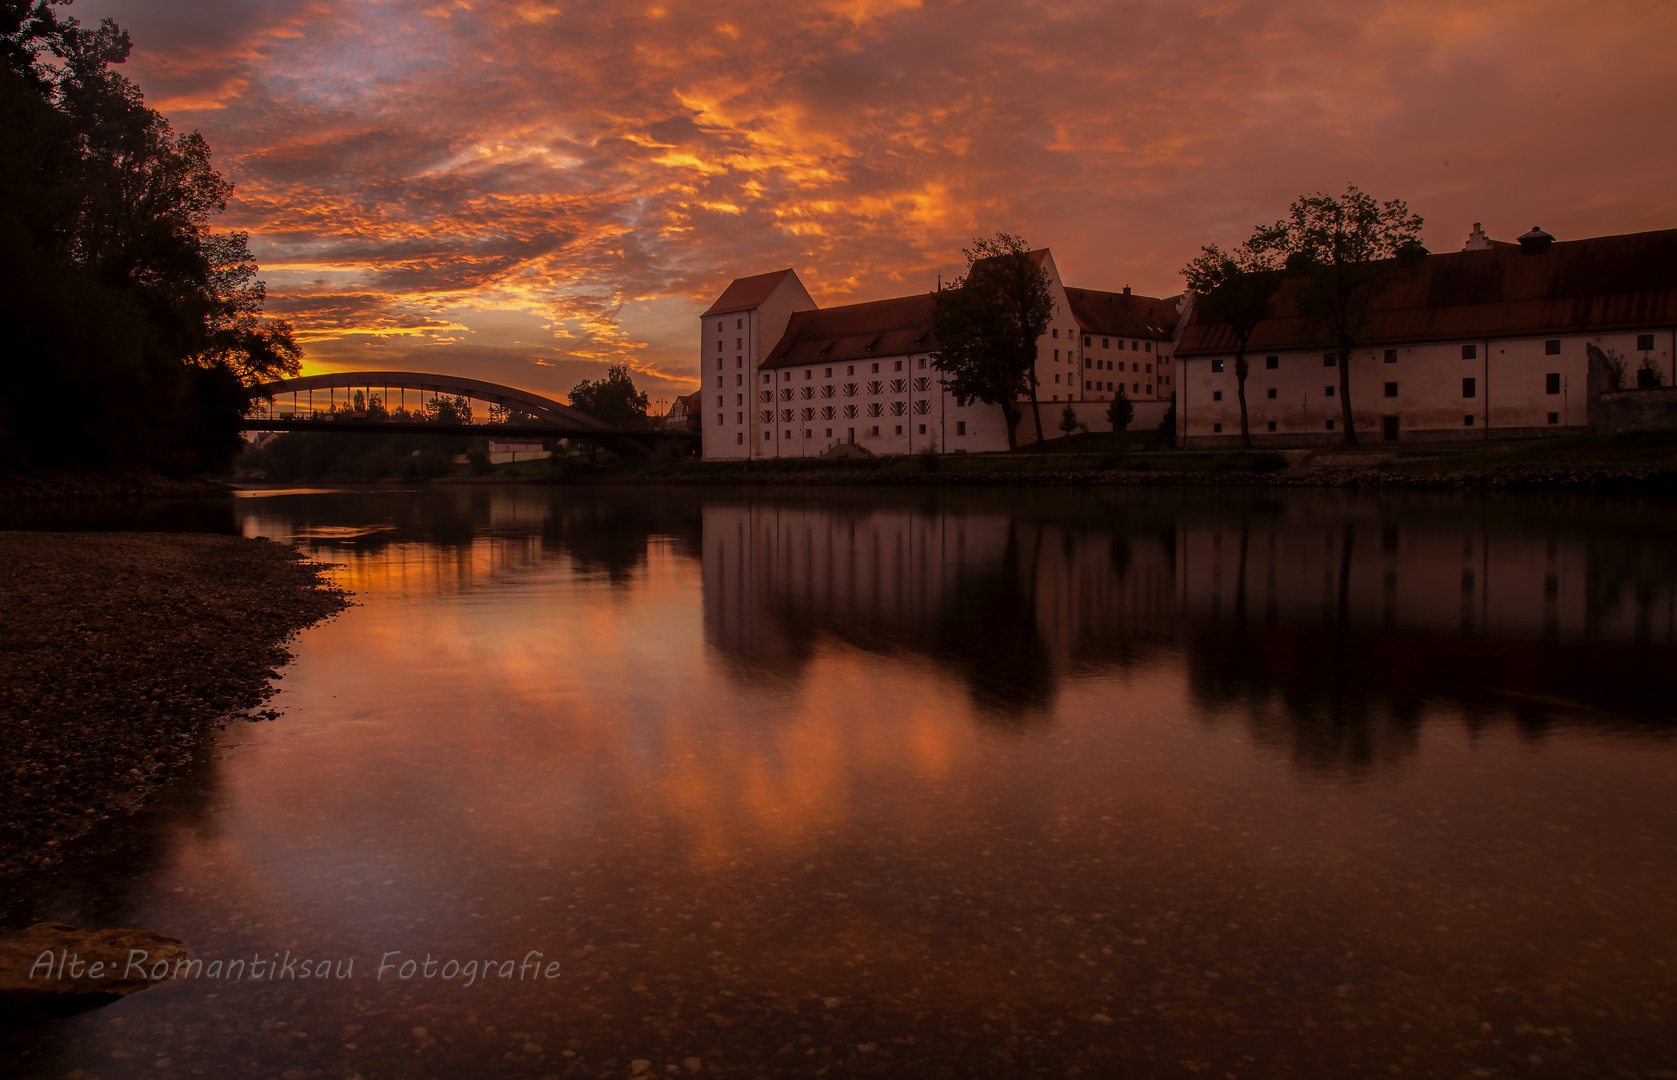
(508, 397)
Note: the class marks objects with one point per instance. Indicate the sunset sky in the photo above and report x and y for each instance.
(525, 190)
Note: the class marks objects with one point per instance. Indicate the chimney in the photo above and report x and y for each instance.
(1126, 290)
(1535, 242)
(1477, 240)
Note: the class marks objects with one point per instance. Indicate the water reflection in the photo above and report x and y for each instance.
(975, 784)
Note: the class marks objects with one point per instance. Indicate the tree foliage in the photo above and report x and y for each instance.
(613, 399)
(1237, 288)
(116, 293)
(1121, 411)
(987, 325)
(1341, 254)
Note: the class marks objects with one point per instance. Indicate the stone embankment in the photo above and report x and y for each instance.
(118, 651)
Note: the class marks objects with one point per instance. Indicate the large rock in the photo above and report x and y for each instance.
(54, 962)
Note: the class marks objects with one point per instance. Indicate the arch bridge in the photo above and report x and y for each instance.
(550, 419)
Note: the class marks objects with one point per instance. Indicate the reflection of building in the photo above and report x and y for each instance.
(784, 378)
(1002, 600)
(1343, 613)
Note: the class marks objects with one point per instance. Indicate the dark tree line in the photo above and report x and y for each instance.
(131, 328)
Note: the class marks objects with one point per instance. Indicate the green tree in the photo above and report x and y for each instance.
(1121, 411)
(1068, 423)
(987, 325)
(1236, 288)
(1341, 255)
(613, 399)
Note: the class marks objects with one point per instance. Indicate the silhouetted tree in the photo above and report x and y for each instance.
(613, 399)
(987, 325)
(114, 291)
(1236, 288)
(1341, 254)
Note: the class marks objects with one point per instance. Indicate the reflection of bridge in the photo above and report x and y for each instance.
(548, 418)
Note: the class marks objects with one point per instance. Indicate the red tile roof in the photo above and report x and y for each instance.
(1602, 283)
(747, 292)
(856, 332)
(1123, 314)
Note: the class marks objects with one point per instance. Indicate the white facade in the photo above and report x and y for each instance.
(1433, 391)
(896, 402)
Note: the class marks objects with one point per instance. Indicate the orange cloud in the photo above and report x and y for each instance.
(414, 171)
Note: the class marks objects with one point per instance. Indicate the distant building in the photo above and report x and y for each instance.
(783, 377)
(683, 414)
(1487, 341)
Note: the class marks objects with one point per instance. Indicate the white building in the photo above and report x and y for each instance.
(1487, 341)
(783, 377)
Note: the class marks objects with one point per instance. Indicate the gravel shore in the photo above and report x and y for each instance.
(117, 652)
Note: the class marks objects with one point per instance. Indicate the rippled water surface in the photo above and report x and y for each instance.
(1005, 784)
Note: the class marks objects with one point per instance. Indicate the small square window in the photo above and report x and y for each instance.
(739, 438)
(1552, 348)
(808, 434)
(1149, 369)
(1552, 383)
(786, 376)
(850, 369)
(829, 433)
(1330, 425)
(1327, 391)
(1271, 363)
(1087, 340)
(1645, 342)
(899, 366)
(1106, 343)
(1470, 388)
(788, 434)
(1216, 427)
(1391, 356)
(1467, 421)
(1056, 332)
(875, 372)
(765, 436)
(809, 373)
(1554, 418)
(1391, 389)
(1272, 425)
(1217, 364)
(960, 427)
(899, 429)
(922, 429)
(1149, 346)
(1329, 360)
(876, 429)
(922, 363)
(1120, 344)
(1470, 352)
(1272, 391)
(765, 376)
(828, 374)
(1216, 395)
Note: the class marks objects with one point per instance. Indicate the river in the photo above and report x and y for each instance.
(1091, 782)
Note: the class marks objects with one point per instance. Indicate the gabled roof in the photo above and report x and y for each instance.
(852, 332)
(747, 292)
(1123, 314)
(1603, 283)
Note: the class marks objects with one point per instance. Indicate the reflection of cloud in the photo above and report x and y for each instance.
(567, 159)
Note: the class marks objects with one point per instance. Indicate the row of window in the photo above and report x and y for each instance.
(1106, 343)
(850, 433)
(1552, 347)
(1470, 388)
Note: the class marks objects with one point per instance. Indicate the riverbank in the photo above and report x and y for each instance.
(118, 652)
(1638, 462)
(44, 485)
